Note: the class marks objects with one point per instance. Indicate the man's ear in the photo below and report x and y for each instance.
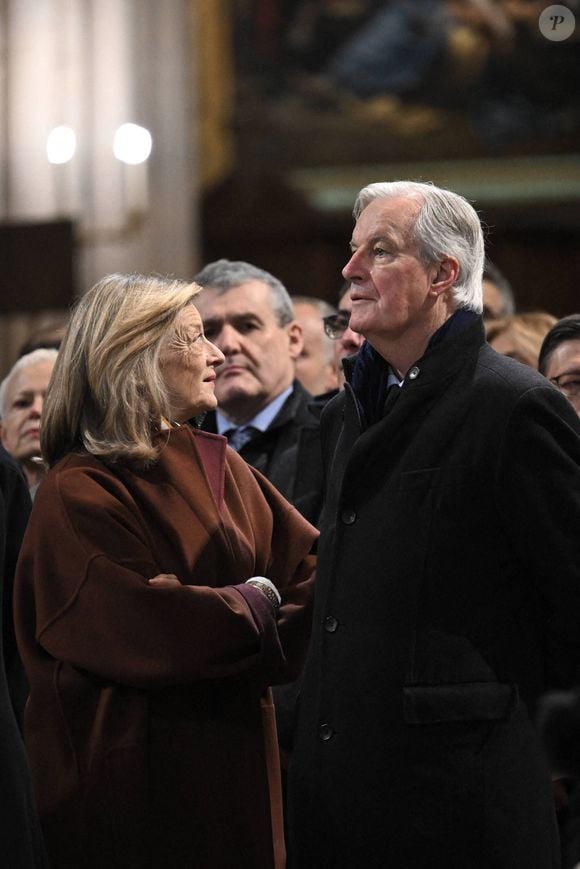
(445, 274)
(295, 340)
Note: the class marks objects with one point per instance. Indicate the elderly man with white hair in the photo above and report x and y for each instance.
(447, 593)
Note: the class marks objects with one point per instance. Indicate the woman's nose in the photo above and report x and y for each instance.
(37, 405)
(216, 357)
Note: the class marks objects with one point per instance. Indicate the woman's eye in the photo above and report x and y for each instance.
(186, 341)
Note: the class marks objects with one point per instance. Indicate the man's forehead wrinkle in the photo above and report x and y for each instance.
(242, 314)
(382, 230)
(213, 319)
(231, 316)
(389, 221)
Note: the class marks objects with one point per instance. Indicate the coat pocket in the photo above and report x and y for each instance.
(422, 479)
(466, 701)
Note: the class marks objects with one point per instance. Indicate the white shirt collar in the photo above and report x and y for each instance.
(393, 380)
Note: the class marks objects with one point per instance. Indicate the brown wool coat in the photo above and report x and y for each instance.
(149, 728)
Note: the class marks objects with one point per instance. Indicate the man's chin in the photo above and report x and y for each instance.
(357, 323)
(237, 404)
(234, 394)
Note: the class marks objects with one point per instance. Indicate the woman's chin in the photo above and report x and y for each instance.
(208, 402)
(205, 403)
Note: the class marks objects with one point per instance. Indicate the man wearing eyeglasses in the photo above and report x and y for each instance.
(560, 358)
(337, 327)
(315, 365)
(448, 583)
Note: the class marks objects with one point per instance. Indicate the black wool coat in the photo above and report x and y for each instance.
(21, 845)
(447, 600)
(288, 452)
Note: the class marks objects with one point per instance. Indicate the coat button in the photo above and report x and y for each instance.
(325, 732)
(348, 517)
(413, 373)
(330, 624)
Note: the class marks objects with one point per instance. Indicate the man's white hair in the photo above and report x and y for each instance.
(446, 224)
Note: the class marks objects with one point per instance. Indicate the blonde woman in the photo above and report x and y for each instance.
(163, 585)
(521, 336)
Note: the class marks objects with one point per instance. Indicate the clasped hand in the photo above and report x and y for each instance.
(164, 580)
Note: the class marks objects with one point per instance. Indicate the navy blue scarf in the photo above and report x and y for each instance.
(371, 372)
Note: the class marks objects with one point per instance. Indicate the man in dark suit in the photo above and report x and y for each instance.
(448, 581)
(21, 842)
(262, 408)
(560, 358)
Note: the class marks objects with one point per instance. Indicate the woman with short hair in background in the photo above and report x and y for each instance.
(22, 395)
(521, 336)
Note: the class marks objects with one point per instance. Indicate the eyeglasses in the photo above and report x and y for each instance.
(335, 325)
(568, 384)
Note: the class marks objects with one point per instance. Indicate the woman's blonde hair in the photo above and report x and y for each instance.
(106, 392)
(527, 332)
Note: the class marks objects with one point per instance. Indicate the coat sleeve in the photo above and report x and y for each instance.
(84, 596)
(538, 491)
(17, 502)
(291, 569)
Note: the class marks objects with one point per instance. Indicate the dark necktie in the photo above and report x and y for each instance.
(237, 437)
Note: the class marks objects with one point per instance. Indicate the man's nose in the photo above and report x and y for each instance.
(352, 270)
(351, 340)
(228, 341)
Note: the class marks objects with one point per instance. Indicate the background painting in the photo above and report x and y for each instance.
(333, 94)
